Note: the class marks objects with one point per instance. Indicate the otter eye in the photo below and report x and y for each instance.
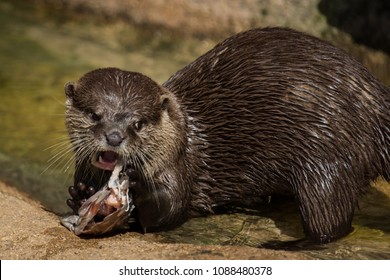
(138, 125)
(95, 117)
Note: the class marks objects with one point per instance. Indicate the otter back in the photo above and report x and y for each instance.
(283, 111)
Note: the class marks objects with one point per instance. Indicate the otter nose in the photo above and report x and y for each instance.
(114, 138)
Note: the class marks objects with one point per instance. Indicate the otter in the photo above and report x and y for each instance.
(267, 111)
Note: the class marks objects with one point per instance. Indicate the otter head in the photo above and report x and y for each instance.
(113, 114)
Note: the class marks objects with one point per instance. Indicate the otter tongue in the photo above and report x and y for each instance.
(107, 160)
(109, 157)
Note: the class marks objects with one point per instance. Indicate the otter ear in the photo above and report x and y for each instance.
(165, 103)
(70, 89)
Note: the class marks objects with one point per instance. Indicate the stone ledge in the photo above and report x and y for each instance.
(28, 231)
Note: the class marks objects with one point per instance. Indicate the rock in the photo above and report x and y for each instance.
(28, 231)
(200, 18)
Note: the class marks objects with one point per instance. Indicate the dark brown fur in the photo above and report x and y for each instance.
(266, 111)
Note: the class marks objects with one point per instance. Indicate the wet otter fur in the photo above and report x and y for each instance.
(264, 112)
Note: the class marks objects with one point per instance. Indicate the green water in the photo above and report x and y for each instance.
(40, 51)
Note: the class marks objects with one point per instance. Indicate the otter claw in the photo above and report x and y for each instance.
(74, 193)
(71, 203)
(132, 174)
(79, 194)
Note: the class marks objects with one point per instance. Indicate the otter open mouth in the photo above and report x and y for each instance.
(106, 160)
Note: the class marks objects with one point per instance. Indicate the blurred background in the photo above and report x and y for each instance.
(45, 43)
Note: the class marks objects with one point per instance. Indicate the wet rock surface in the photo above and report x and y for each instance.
(28, 231)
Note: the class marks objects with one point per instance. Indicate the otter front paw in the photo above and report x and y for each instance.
(134, 178)
(153, 204)
(79, 194)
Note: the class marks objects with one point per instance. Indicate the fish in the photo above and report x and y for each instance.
(108, 209)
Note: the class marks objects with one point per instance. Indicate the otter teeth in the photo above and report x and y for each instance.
(109, 156)
(106, 160)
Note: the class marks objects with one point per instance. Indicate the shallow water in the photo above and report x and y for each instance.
(39, 53)
(370, 238)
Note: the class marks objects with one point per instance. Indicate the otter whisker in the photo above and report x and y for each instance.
(59, 148)
(58, 159)
(60, 152)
